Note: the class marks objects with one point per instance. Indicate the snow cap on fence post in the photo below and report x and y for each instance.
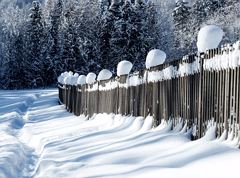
(209, 37)
(70, 73)
(81, 80)
(61, 77)
(104, 75)
(124, 68)
(91, 78)
(76, 75)
(67, 79)
(155, 57)
(74, 79)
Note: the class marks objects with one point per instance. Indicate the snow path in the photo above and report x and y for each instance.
(39, 139)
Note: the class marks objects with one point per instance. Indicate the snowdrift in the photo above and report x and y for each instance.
(54, 143)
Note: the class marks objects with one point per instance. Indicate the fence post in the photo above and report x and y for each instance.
(144, 90)
(200, 114)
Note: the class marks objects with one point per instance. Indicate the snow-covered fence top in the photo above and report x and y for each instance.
(197, 88)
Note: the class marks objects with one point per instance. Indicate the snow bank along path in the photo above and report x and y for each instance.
(38, 138)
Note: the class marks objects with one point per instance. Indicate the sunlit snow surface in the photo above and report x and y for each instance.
(38, 138)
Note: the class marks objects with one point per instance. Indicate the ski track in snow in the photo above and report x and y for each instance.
(40, 139)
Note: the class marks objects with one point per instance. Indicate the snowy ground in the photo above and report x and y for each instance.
(38, 138)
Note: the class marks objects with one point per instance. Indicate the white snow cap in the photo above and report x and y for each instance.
(74, 78)
(209, 37)
(104, 75)
(62, 76)
(70, 73)
(155, 57)
(68, 78)
(76, 75)
(124, 68)
(91, 78)
(81, 80)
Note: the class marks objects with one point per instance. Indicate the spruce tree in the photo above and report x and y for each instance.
(14, 75)
(119, 38)
(35, 36)
(70, 45)
(181, 21)
(211, 6)
(104, 6)
(55, 54)
(134, 33)
(88, 28)
(20, 65)
(106, 29)
(142, 33)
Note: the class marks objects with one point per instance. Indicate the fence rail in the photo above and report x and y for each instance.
(198, 88)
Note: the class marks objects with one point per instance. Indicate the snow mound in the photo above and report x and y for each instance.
(73, 79)
(148, 124)
(209, 37)
(102, 145)
(76, 75)
(81, 80)
(104, 75)
(155, 57)
(211, 131)
(61, 77)
(124, 68)
(70, 73)
(67, 79)
(91, 78)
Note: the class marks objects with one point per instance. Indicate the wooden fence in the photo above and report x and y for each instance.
(198, 89)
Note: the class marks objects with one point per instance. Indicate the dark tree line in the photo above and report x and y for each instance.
(75, 35)
(39, 41)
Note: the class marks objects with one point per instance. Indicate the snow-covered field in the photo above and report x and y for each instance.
(38, 138)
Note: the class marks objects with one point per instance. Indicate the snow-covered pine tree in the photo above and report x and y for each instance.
(108, 20)
(231, 2)
(152, 30)
(35, 38)
(142, 33)
(13, 42)
(211, 6)
(119, 42)
(70, 44)
(47, 9)
(134, 33)
(16, 66)
(202, 10)
(181, 17)
(198, 15)
(115, 8)
(10, 67)
(55, 54)
(104, 6)
(88, 27)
